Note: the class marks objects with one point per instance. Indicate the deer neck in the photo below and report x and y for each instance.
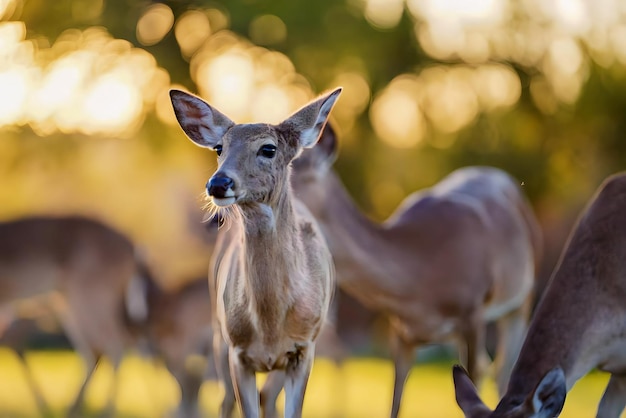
(273, 256)
(356, 242)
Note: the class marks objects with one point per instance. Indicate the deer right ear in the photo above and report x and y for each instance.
(549, 396)
(204, 125)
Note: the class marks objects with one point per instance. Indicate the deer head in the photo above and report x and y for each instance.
(253, 159)
(546, 401)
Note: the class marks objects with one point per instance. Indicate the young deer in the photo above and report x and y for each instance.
(579, 324)
(86, 267)
(449, 259)
(272, 276)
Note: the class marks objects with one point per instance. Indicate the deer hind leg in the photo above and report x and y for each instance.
(42, 405)
(220, 357)
(614, 398)
(511, 332)
(244, 383)
(403, 357)
(297, 377)
(271, 389)
(474, 356)
(88, 355)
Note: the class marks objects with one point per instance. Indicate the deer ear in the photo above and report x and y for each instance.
(309, 121)
(466, 395)
(203, 124)
(549, 395)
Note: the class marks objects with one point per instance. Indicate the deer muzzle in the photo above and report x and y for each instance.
(220, 188)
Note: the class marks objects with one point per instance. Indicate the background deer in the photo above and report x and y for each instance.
(450, 259)
(88, 276)
(579, 324)
(271, 281)
(84, 268)
(178, 329)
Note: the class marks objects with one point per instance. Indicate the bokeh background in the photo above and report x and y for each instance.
(536, 87)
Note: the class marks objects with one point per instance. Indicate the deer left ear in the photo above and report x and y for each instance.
(311, 119)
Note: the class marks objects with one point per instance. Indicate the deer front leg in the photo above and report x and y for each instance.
(614, 398)
(403, 356)
(271, 389)
(220, 357)
(244, 382)
(297, 377)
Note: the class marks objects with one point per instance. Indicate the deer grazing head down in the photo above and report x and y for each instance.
(272, 273)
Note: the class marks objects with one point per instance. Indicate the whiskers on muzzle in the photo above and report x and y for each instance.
(214, 213)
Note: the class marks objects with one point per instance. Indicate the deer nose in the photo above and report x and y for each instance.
(219, 185)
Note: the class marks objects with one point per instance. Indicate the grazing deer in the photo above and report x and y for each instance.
(177, 327)
(451, 258)
(272, 276)
(85, 268)
(579, 324)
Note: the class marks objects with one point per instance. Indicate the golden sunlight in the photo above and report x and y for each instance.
(85, 82)
(228, 82)
(192, 30)
(14, 90)
(396, 115)
(154, 24)
(383, 13)
(111, 104)
(247, 82)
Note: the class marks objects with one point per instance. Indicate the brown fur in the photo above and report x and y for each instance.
(580, 323)
(271, 280)
(449, 259)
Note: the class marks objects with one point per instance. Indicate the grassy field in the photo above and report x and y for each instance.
(359, 388)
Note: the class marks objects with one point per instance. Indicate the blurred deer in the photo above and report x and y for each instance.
(271, 279)
(178, 331)
(88, 276)
(450, 259)
(84, 268)
(579, 324)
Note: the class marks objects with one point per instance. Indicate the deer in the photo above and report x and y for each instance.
(178, 326)
(91, 278)
(450, 259)
(271, 278)
(579, 323)
(80, 269)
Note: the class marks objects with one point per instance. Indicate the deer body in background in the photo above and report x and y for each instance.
(579, 324)
(89, 278)
(271, 280)
(450, 259)
(178, 330)
(86, 267)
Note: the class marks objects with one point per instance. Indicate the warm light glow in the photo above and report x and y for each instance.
(396, 116)
(248, 83)
(449, 100)
(111, 103)
(228, 82)
(383, 14)
(85, 82)
(192, 30)
(496, 86)
(7, 7)
(14, 89)
(355, 96)
(154, 24)
(270, 104)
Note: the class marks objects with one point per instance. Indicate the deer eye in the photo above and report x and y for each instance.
(267, 151)
(218, 150)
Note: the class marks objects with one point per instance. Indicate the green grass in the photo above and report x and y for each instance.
(359, 388)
